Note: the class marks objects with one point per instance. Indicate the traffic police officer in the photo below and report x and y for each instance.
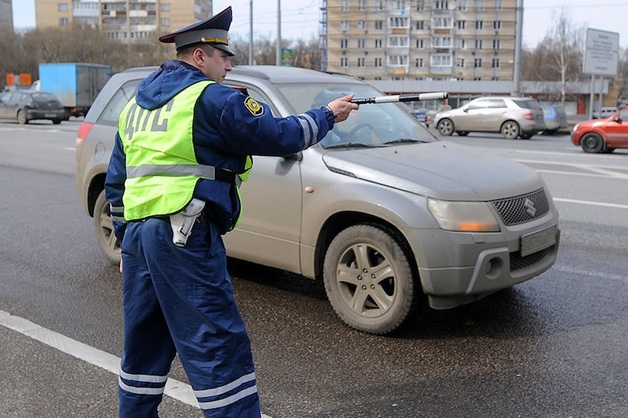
(182, 149)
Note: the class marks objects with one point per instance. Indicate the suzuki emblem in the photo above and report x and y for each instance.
(530, 208)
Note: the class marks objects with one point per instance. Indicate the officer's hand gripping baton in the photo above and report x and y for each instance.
(402, 98)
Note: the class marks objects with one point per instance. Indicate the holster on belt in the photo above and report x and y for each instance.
(183, 221)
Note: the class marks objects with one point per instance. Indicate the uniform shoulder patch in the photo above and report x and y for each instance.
(254, 107)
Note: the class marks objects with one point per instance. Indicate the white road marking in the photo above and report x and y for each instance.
(585, 202)
(174, 388)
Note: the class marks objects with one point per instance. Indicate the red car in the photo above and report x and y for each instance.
(602, 135)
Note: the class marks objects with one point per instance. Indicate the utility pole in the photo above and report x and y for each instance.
(251, 32)
(516, 91)
(278, 55)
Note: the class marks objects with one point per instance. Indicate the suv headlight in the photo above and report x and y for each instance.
(463, 216)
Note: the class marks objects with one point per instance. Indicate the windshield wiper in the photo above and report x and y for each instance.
(349, 145)
(405, 141)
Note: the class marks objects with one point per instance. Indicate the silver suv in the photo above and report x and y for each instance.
(387, 215)
(513, 117)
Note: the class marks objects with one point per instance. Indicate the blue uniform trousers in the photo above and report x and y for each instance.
(180, 300)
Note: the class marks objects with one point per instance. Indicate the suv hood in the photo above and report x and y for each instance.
(441, 170)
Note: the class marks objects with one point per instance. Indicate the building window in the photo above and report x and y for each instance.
(441, 4)
(361, 5)
(378, 62)
(461, 43)
(478, 44)
(165, 21)
(496, 43)
(461, 24)
(462, 4)
(398, 41)
(495, 63)
(460, 62)
(379, 24)
(497, 24)
(498, 4)
(378, 43)
(441, 41)
(418, 63)
(344, 43)
(362, 43)
(63, 7)
(477, 63)
(399, 22)
(397, 60)
(344, 6)
(441, 60)
(165, 7)
(479, 4)
(360, 62)
(442, 22)
(420, 24)
(381, 5)
(344, 25)
(63, 21)
(344, 62)
(361, 24)
(420, 5)
(420, 43)
(479, 24)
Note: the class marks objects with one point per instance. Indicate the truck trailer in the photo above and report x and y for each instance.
(75, 84)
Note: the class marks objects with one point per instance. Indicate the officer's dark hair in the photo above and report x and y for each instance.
(189, 49)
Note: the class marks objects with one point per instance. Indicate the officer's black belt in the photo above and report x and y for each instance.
(183, 170)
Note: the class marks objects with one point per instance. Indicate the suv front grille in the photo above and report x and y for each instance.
(524, 208)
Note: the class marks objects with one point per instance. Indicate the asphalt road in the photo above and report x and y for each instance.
(552, 347)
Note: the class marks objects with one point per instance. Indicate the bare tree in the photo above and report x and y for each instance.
(558, 57)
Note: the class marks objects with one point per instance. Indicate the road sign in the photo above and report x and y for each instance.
(601, 53)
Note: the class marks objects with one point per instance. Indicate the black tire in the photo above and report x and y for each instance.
(21, 117)
(373, 291)
(462, 133)
(526, 136)
(445, 127)
(592, 143)
(56, 121)
(103, 226)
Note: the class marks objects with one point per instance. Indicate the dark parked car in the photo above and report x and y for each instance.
(385, 214)
(24, 106)
(555, 118)
(602, 135)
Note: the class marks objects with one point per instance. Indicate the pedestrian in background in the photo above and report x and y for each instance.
(183, 147)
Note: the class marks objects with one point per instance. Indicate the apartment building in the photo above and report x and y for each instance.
(419, 39)
(126, 20)
(6, 15)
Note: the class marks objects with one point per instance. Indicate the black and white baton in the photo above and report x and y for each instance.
(402, 98)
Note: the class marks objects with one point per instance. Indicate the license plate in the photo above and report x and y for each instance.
(538, 241)
(50, 115)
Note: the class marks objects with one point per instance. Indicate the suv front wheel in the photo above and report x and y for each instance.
(103, 225)
(368, 279)
(445, 127)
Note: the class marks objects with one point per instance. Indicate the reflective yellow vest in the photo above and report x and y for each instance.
(161, 165)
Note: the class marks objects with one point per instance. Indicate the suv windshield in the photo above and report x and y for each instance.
(371, 125)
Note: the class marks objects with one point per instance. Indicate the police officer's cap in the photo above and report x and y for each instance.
(214, 31)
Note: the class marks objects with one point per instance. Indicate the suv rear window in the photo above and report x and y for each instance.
(527, 103)
(111, 112)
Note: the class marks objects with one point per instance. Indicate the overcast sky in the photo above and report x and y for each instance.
(300, 17)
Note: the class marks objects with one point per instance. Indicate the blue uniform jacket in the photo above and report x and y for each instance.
(225, 132)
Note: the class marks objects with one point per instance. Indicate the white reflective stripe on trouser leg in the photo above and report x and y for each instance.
(158, 389)
(215, 392)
